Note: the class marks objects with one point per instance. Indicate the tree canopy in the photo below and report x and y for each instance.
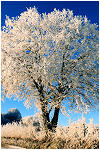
(51, 59)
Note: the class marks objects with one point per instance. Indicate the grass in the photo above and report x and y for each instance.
(77, 135)
(49, 144)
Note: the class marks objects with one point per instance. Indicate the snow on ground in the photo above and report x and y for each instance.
(11, 147)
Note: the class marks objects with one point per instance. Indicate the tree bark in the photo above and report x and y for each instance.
(51, 126)
(45, 114)
(55, 119)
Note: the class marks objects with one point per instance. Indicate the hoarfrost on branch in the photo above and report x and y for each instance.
(50, 59)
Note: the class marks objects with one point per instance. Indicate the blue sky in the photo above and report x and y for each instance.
(14, 8)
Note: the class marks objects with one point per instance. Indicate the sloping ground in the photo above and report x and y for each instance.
(50, 144)
(11, 147)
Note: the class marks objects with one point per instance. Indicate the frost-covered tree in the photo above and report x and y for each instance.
(50, 60)
(13, 115)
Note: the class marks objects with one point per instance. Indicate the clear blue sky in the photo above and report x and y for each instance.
(14, 8)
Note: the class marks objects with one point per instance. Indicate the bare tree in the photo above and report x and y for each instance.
(51, 60)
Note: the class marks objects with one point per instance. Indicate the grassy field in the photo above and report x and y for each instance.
(77, 135)
(50, 144)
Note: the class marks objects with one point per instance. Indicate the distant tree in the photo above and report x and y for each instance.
(13, 115)
(51, 60)
(4, 121)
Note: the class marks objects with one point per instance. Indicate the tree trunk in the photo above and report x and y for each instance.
(55, 119)
(45, 114)
(50, 126)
